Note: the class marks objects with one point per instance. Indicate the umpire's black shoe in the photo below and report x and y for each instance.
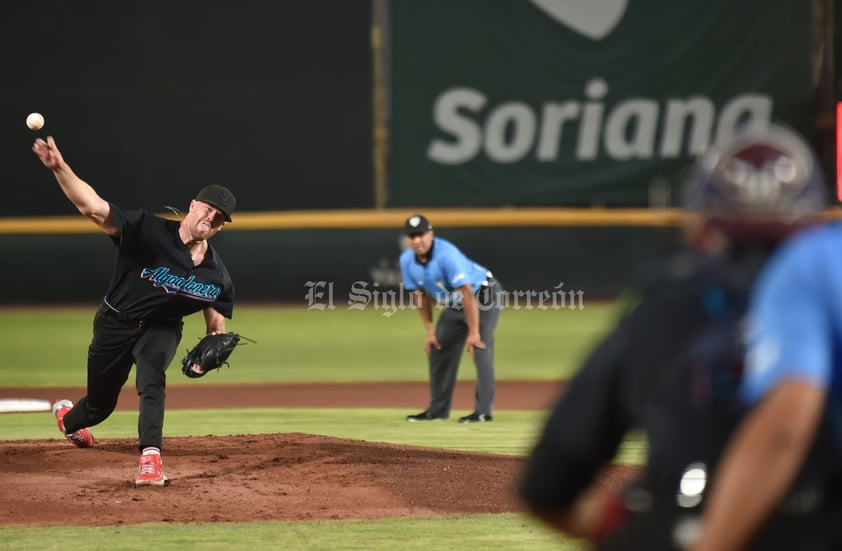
(476, 418)
(424, 416)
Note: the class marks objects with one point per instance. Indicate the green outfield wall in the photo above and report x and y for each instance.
(324, 260)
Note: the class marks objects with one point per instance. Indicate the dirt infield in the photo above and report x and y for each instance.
(265, 477)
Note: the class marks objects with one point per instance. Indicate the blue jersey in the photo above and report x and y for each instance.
(796, 317)
(446, 270)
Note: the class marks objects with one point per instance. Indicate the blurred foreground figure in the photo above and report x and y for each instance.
(671, 367)
(786, 456)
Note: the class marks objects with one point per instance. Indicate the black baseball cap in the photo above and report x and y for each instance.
(417, 223)
(219, 197)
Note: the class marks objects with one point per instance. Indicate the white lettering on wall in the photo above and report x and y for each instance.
(634, 128)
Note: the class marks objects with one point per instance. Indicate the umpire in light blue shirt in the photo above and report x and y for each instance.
(441, 276)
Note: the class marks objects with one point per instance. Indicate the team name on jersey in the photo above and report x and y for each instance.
(173, 284)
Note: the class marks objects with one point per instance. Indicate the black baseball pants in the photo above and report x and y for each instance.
(118, 344)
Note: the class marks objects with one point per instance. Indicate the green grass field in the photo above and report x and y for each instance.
(46, 347)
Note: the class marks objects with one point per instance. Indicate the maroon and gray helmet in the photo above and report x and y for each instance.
(765, 183)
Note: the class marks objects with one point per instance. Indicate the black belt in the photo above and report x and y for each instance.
(109, 312)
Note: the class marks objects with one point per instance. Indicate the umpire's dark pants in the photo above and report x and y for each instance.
(117, 344)
(452, 333)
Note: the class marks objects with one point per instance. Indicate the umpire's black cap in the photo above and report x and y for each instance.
(417, 223)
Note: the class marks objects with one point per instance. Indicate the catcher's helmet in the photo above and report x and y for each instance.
(764, 183)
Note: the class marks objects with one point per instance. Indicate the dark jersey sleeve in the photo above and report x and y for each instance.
(225, 303)
(225, 306)
(645, 375)
(600, 405)
(127, 221)
(583, 432)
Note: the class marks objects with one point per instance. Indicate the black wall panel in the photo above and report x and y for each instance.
(151, 100)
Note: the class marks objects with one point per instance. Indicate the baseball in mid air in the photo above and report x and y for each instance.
(35, 121)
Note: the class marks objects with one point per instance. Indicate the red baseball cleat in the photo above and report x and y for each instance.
(151, 471)
(82, 437)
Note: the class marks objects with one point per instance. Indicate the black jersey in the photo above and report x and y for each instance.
(155, 278)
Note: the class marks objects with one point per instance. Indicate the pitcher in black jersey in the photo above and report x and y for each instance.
(164, 270)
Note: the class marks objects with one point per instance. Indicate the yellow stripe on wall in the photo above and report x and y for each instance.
(392, 218)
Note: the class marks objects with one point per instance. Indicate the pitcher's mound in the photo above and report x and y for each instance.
(253, 477)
